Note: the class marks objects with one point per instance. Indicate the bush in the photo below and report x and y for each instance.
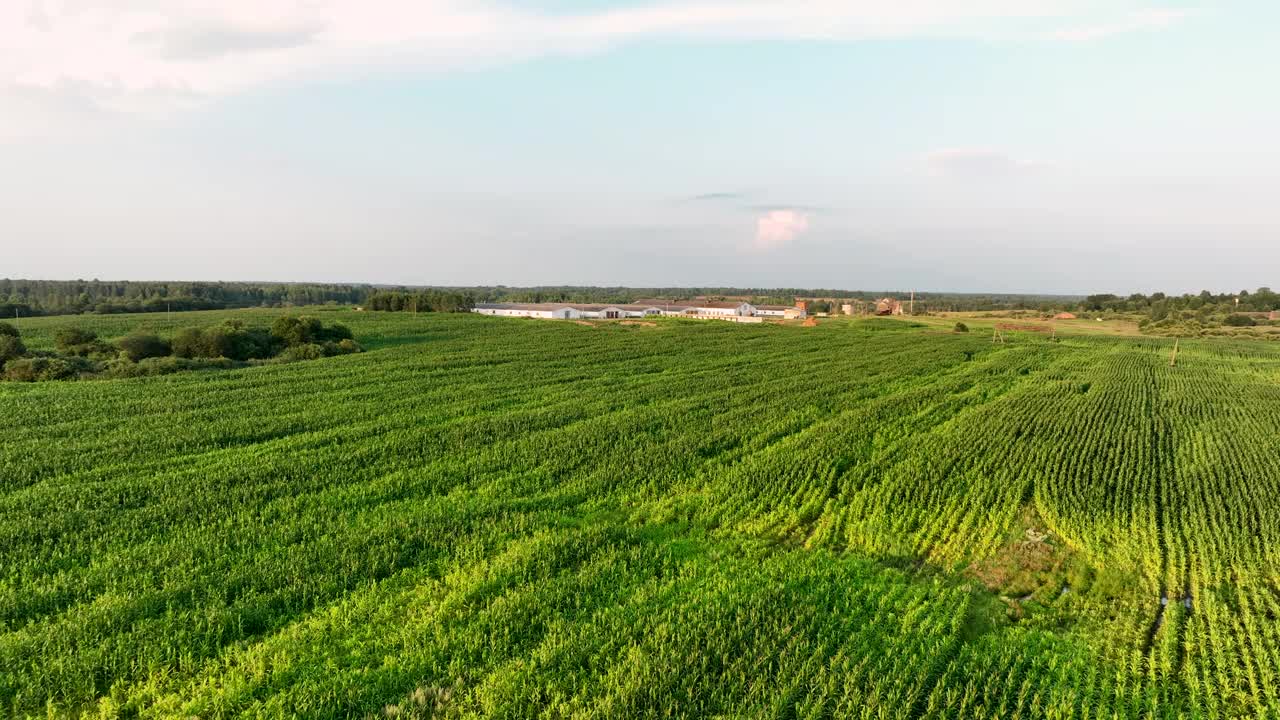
(69, 339)
(1239, 320)
(11, 348)
(7, 330)
(44, 368)
(140, 346)
(229, 340)
(292, 331)
(123, 368)
(295, 331)
(295, 353)
(961, 328)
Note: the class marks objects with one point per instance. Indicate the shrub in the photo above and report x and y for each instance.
(229, 340)
(962, 328)
(308, 351)
(188, 343)
(140, 346)
(1239, 320)
(70, 339)
(295, 330)
(11, 348)
(348, 346)
(292, 331)
(163, 366)
(8, 330)
(43, 368)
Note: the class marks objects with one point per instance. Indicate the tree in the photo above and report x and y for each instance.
(11, 348)
(140, 346)
(1239, 320)
(296, 330)
(189, 343)
(70, 339)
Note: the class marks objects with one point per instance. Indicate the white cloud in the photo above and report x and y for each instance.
(115, 49)
(1137, 21)
(976, 163)
(777, 228)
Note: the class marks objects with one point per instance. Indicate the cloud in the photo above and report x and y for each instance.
(207, 48)
(719, 196)
(777, 228)
(1137, 21)
(211, 41)
(976, 163)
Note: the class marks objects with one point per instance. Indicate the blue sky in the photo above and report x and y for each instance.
(1039, 145)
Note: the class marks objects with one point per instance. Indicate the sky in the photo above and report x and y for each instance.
(1048, 146)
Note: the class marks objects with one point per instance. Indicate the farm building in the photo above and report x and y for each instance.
(1064, 316)
(548, 311)
(780, 311)
(700, 309)
(889, 306)
(712, 308)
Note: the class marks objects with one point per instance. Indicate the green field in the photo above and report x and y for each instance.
(482, 517)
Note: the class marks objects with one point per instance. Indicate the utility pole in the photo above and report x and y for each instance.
(912, 311)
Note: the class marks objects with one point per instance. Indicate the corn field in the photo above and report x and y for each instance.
(484, 517)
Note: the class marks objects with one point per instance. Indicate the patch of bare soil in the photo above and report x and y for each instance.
(1031, 566)
(638, 322)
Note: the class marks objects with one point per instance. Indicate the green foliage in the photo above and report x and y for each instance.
(11, 348)
(231, 343)
(168, 365)
(79, 342)
(8, 330)
(303, 351)
(140, 346)
(304, 330)
(38, 369)
(61, 297)
(426, 301)
(1239, 320)
(231, 340)
(961, 328)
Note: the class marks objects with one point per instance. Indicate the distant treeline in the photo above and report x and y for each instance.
(1158, 306)
(925, 301)
(24, 298)
(1190, 314)
(63, 297)
(421, 301)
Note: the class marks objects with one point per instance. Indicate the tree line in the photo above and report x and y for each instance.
(26, 298)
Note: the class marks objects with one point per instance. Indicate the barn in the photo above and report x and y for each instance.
(721, 309)
(546, 311)
(779, 311)
(701, 309)
(888, 306)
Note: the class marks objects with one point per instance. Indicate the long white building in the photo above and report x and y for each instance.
(704, 309)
